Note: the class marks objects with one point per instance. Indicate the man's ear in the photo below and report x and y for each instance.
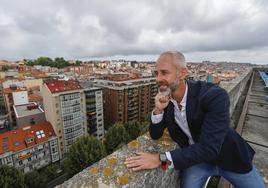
(183, 73)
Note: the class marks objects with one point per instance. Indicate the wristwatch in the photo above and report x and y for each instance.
(164, 161)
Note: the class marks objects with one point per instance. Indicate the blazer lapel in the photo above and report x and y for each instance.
(191, 101)
(174, 130)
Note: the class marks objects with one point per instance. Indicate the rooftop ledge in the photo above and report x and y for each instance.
(111, 171)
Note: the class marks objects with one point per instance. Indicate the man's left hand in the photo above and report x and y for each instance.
(143, 161)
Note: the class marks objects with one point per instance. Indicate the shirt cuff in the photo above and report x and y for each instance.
(156, 118)
(170, 159)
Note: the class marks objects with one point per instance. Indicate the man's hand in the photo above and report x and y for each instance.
(143, 161)
(161, 102)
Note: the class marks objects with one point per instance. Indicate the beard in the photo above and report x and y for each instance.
(172, 87)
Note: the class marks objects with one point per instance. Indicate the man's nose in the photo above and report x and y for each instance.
(158, 78)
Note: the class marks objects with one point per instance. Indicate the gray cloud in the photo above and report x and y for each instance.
(99, 28)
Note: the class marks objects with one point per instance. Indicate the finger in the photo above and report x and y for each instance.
(133, 165)
(133, 158)
(130, 162)
(137, 168)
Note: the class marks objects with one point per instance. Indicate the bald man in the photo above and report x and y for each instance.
(196, 114)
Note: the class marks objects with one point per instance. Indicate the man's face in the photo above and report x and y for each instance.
(167, 74)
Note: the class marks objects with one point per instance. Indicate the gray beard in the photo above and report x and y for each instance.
(175, 85)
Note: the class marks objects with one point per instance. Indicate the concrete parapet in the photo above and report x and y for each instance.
(111, 171)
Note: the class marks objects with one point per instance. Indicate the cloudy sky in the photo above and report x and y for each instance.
(229, 30)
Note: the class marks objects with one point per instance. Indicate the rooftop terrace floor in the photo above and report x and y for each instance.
(255, 129)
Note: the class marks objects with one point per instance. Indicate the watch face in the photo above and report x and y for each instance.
(163, 157)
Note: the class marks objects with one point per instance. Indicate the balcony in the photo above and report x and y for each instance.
(92, 129)
(91, 118)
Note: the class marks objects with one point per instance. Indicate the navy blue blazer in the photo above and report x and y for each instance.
(207, 111)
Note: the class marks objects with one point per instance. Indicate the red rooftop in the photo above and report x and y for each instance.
(62, 85)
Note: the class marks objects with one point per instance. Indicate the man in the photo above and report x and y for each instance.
(196, 114)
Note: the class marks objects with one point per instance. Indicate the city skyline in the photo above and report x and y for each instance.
(203, 30)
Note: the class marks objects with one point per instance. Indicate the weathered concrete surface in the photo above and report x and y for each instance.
(235, 88)
(111, 172)
(255, 129)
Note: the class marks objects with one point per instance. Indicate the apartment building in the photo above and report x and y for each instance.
(127, 100)
(94, 112)
(29, 114)
(13, 96)
(65, 109)
(29, 147)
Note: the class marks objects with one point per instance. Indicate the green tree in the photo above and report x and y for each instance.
(34, 179)
(144, 127)
(78, 63)
(11, 177)
(30, 63)
(133, 128)
(116, 136)
(44, 61)
(50, 172)
(84, 152)
(6, 68)
(60, 62)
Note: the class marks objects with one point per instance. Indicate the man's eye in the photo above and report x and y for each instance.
(164, 73)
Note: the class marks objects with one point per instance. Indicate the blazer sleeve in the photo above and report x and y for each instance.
(214, 129)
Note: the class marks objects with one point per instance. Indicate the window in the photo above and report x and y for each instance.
(32, 121)
(40, 134)
(53, 142)
(54, 150)
(9, 160)
(16, 143)
(5, 147)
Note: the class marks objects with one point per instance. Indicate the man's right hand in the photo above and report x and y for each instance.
(161, 102)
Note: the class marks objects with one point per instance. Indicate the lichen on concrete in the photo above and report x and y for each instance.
(112, 172)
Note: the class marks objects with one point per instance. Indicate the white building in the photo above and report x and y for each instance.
(64, 105)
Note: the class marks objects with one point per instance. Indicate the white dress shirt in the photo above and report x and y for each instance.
(180, 118)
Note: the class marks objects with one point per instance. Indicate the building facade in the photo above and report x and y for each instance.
(12, 96)
(29, 147)
(94, 112)
(64, 104)
(127, 100)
